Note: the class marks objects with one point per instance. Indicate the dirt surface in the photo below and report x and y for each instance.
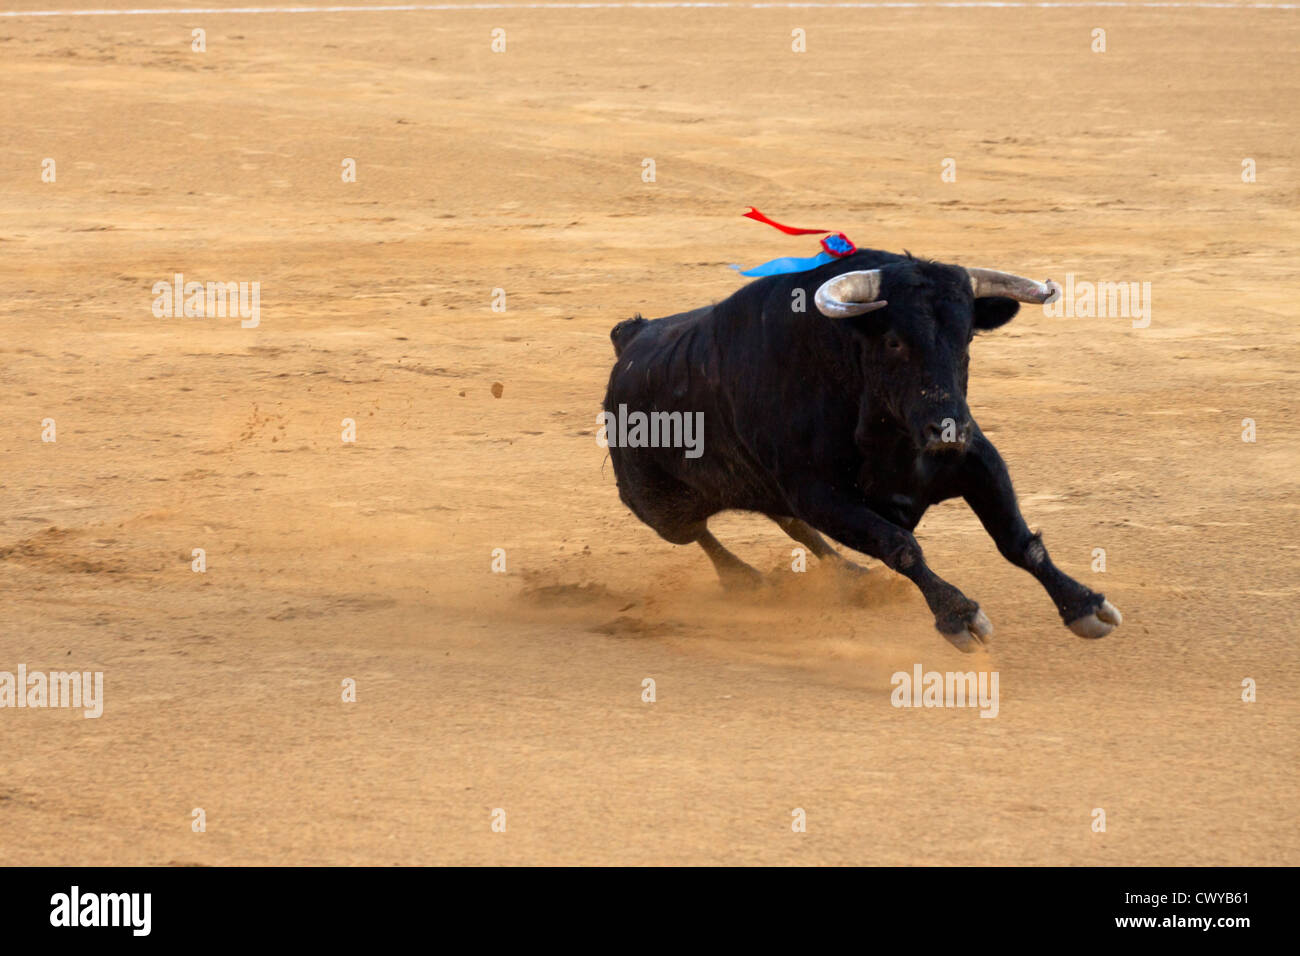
(522, 691)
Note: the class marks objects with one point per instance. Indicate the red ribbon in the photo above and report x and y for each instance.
(788, 230)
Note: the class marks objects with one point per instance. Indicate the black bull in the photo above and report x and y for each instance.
(849, 422)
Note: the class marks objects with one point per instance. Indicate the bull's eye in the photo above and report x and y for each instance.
(893, 343)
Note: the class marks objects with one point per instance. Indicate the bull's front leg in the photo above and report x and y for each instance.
(987, 489)
(846, 518)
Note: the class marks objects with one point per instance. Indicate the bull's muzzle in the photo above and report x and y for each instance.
(947, 437)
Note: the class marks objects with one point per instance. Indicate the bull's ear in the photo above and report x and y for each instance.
(993, 311)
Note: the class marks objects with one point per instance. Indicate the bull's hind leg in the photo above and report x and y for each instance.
(734, 573)
(679, 516)
(807, 536)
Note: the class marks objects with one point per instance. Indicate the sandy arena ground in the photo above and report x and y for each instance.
(522, 691)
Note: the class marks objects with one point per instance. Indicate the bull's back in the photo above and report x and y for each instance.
(626, 331)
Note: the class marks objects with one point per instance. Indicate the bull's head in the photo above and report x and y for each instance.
(915, 321)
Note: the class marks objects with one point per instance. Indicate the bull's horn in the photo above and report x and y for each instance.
(850, 294)
(986, 282)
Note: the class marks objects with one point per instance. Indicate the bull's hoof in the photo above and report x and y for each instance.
(1099, 623)
(976, 635)
(849, 568)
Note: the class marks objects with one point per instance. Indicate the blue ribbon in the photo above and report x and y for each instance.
(787, 264)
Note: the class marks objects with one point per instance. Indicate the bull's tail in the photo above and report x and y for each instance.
(625, 332)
